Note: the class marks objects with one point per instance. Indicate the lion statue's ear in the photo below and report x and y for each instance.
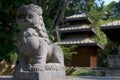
(32, 7)
(36, 8)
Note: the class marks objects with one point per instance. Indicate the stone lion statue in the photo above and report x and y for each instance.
(34, 42)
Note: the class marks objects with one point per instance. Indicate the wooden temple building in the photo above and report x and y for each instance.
(112, 30)
(77, 30)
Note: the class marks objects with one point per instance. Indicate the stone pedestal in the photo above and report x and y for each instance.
(41, 75)
(113, 72)
(114, 61)
(113, 65)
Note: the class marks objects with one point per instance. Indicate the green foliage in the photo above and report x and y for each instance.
(70, 70)
(110, 49)
(8, 27)
(97, 14)
(75, 5)
(85, 71)
(112, 11)
(13, 57)
(50, 10)
(68, 51)
(101, 38)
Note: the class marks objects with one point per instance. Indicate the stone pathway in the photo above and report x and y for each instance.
(74, 78)
(90, 78)
(6, 77)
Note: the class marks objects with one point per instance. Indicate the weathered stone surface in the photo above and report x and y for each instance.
(113, 72)
(113, 65)
(41, 75)
(114, 61)
(34, 44)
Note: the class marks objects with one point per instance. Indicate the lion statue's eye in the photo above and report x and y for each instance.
(21, 16)
(30, 16)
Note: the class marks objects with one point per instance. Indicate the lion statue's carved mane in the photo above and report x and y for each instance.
(34, 42)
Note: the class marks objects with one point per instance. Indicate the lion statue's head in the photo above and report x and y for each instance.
(31, 16)
(28, 15)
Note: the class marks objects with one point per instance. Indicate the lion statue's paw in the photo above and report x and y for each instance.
(54, 66)
(38, 67)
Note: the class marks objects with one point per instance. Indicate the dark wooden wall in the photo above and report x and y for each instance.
(86, 57)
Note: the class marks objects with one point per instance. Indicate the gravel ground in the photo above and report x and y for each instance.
(74, 78)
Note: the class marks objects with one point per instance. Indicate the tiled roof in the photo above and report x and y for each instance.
(78, 17)
(117, 22)
(75, 27)
(114, 24)
(112, 30)
(78, 28)
(71, 41)
(83, 42)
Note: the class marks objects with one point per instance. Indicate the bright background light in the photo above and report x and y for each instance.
(108, 1)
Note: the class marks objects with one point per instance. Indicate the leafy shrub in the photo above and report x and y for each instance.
(84, 71)
(5, 68)
(69, 51)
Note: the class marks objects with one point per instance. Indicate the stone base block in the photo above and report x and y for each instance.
(113, 72)
(41, 75)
